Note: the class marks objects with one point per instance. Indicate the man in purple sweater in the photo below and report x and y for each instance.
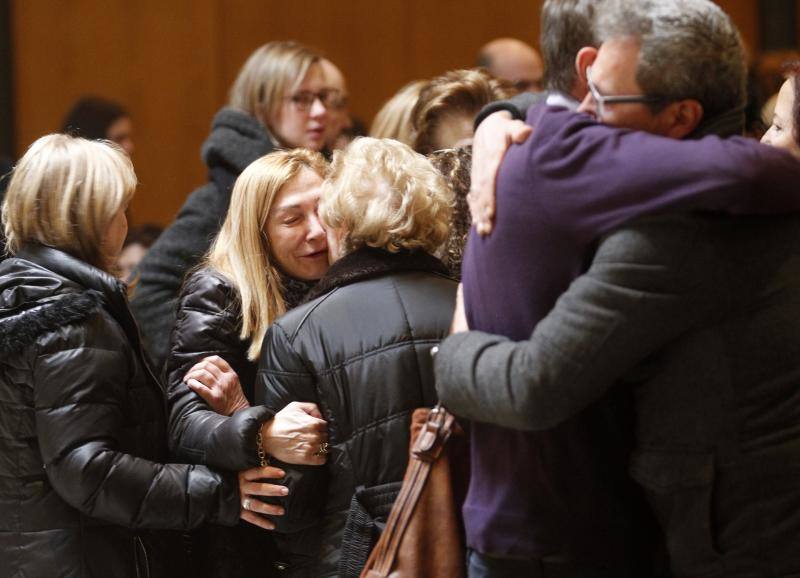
(557, 502)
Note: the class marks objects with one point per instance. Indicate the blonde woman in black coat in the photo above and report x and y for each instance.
(83, 484)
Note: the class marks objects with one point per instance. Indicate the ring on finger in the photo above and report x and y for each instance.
(323, 449)
(246, 504)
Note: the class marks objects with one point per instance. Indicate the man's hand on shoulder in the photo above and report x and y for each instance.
(492, 139)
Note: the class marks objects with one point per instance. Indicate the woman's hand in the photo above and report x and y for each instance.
(217, 383)
(250, 486)
(296, 435)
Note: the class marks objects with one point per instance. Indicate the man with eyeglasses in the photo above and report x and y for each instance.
(554, 501)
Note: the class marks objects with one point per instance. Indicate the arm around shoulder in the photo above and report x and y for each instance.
(632, 301)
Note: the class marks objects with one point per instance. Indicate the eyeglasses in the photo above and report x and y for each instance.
(330, 98)
(602, 101)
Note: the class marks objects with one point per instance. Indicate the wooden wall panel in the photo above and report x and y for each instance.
(158, 58)
(745, 14)
(171, 63)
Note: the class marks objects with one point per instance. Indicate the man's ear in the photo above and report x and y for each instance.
(681, 118)
(583, 60)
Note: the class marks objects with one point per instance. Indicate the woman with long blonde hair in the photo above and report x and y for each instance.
(270, 251)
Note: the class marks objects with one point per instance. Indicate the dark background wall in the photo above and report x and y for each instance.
(171, 62)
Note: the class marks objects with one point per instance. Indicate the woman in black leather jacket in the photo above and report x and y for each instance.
(83, 482)
(270, 251)
(360, 346)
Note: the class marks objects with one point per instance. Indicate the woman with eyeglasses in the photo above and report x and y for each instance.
(278, 101)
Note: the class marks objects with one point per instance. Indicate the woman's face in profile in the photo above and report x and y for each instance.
(782, 132)
(296, 236)
(114, 238)
(303, 118)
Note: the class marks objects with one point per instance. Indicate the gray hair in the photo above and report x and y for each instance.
(567, 26)
(689, 49)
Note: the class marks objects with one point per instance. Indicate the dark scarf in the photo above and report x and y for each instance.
(368, 262)
(294, 290)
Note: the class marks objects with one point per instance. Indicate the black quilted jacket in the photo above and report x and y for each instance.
(208, 323)
(360, 349)
(83, 433)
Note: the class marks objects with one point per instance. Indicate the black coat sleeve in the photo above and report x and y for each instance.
(82, 396)
(206, 324)
(283, 377)
(517, 106)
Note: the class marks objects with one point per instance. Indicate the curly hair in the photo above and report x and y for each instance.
(455, 165)
(384, 195)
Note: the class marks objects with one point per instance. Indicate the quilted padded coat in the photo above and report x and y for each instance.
(359, 349)
(83, 430)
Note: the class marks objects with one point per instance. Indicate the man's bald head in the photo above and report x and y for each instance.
(515, 61)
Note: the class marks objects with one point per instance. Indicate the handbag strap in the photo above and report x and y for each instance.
(427, 448)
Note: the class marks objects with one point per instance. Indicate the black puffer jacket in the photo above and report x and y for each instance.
(360, 349)
(208, 322)
(236, 140)
(83, 432)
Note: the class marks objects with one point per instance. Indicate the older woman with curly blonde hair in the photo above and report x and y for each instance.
(360, 346)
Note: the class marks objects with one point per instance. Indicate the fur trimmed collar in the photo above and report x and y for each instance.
(44, 288)
(368, 262)
(236, 140)
(21, 330)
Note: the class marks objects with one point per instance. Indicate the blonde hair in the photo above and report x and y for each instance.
(64, 193)
(458, 91)
(271, 71)
(382, 194)
(241, 250)
(394, 118)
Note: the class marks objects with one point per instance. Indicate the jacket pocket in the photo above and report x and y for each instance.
(369, 510)
(679, 487)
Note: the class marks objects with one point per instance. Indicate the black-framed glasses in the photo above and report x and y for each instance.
(329, 97)
(601, 101)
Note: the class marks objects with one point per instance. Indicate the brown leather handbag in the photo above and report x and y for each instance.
(423, 536)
